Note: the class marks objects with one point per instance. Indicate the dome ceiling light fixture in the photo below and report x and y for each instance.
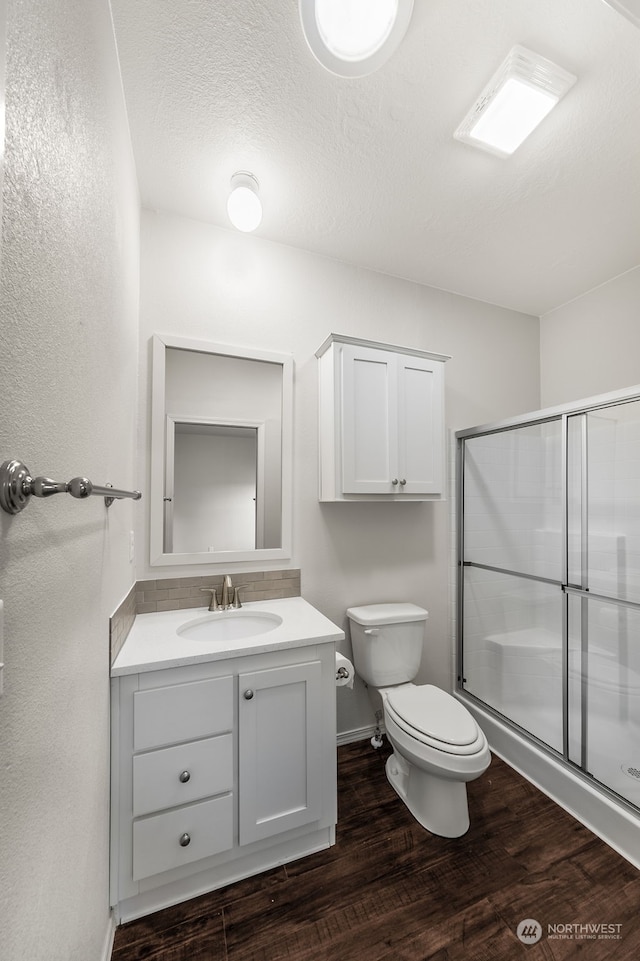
(353, 38)
(517, 98)
(243, 204)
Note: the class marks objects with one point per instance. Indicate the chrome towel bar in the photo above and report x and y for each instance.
(17, 486)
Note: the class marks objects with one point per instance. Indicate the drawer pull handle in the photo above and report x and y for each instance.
(184, 777)
(248, 694)
(184, 840)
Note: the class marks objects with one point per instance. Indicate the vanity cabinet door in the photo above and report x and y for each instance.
(280, 749)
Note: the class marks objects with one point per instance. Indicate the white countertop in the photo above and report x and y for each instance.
(153, 642)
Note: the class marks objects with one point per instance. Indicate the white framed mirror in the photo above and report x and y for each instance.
(221, 453)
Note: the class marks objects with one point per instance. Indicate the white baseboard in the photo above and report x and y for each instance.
(108, 939)
(359, 734)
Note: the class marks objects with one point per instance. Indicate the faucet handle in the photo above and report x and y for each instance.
(236, 603)
(213, 606)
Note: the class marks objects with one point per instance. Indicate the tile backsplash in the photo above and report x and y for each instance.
(182, 593)
(121, 622)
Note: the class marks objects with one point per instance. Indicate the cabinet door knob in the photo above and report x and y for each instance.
(248, 694)
(184, 777)
(403, 481)
(184, 840)
(394, 481)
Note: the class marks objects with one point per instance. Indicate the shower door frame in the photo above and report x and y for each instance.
(562, 414)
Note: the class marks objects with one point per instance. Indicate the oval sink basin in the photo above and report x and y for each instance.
(229, 625)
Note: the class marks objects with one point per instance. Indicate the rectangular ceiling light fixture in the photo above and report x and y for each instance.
(516, 99)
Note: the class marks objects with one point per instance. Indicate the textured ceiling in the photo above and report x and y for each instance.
(367, 171)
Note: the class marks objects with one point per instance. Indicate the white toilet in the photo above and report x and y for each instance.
(437, 744)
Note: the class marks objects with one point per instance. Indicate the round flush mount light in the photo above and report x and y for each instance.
(352, 38)
(243, 205)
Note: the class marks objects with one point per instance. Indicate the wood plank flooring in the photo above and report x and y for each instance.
(389, 891)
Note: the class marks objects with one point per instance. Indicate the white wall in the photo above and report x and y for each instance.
(3, 54)
(592, 345)
(68, 373)
(220, 285)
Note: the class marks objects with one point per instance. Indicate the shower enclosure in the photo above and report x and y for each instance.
(549, 585)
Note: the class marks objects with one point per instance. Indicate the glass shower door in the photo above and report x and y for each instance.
(604, 596)
(512, 575)
(549, 559)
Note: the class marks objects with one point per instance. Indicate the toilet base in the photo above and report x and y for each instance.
(437, 804)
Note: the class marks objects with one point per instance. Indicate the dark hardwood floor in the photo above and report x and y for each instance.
(389, 891)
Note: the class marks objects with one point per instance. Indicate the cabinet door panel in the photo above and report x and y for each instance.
(369, 413)
(280, 749)
(420, 436)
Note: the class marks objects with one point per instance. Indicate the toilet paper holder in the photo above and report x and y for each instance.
(345, 671)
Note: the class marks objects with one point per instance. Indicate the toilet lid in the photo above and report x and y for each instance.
(392, 613)
(434, 713)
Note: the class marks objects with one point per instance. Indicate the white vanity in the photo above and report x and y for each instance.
(223, 749)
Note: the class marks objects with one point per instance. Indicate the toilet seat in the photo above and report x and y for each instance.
(435, 718)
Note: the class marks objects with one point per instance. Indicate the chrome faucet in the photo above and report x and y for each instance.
(227, 588)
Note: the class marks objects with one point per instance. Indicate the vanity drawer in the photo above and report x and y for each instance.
(177, 775)
(182, 712)
(204, 828)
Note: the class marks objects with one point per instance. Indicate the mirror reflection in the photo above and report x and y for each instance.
(224, 439)
(212, 493)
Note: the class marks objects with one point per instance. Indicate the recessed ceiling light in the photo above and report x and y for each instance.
(516, 99)
(243, 204)
(352, 38)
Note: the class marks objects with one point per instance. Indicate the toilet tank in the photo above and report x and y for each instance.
(387, 642)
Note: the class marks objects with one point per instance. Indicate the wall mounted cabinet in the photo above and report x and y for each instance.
(381, 421)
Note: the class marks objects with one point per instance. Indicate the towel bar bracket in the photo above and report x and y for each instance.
(17, 486)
